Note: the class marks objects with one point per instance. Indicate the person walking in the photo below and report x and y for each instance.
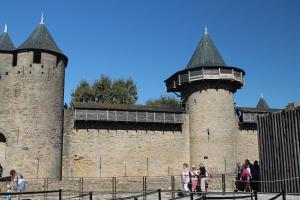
(203, 175)
(185, 177)
(17, 183)
(255, 181)
(246, 177)
(12, 186)
(13, 180)
(238, 171)
(194, 176)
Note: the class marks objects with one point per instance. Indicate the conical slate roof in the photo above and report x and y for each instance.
(262, 104)
(41, 39)
(206, 54)
(6, 43)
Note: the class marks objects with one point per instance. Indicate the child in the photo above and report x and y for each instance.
(9, 189)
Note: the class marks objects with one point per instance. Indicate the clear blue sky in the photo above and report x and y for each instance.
(150, 40)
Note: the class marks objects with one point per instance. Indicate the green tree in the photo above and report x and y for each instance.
(82, 93)
(124, 92)
(104, 90)
(164, 101)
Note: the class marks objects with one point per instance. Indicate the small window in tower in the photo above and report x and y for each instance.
(15, 58)
(36, 57)
(58, 59)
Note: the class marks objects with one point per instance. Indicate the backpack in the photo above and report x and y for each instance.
(245, 173)
(21, 183)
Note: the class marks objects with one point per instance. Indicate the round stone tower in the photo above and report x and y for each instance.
(32, 97)
(6, 58)
(207, 86)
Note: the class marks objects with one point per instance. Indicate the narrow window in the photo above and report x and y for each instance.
(58, 59)
(15, 58)
(36, 57)
(2, 138)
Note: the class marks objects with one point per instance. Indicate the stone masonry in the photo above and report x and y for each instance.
(42, 140)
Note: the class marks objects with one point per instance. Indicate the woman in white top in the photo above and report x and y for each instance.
(185, 177)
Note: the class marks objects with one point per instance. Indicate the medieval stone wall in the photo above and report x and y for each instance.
(247, 146)
(136, 151)
(31, 115)
(31, 119)
(6, 59)
(119, 150)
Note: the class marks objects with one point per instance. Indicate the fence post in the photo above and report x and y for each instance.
(59, 194)
(223, 183)
(204, 196)
(81, 187)
(114, 187)
(192, 196)
(255, 195)
(159, 194)
(91, 195)
(283, 195)
(45, 189)
(173, 186)
(144, 187)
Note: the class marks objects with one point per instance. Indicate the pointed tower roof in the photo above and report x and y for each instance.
(206, 54)
(262, 104)
(5, 41)
(41, 39)
(206, 66)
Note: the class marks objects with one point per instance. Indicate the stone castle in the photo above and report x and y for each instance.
(41, 139)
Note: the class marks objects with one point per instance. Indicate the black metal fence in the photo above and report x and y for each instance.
(61, 195)
(52, 194)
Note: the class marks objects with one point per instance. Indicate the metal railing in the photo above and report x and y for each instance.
(31, 194)
(218, 182)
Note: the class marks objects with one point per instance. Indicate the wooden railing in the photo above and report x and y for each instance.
(128, 116)
(221, 73)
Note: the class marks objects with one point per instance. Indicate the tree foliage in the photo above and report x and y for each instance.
(164, 101)
(106, 90)
(82, 92)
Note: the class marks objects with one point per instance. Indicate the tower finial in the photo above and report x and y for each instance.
(205, 30)
(42, 19)
(261, 95)
(5, 28)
